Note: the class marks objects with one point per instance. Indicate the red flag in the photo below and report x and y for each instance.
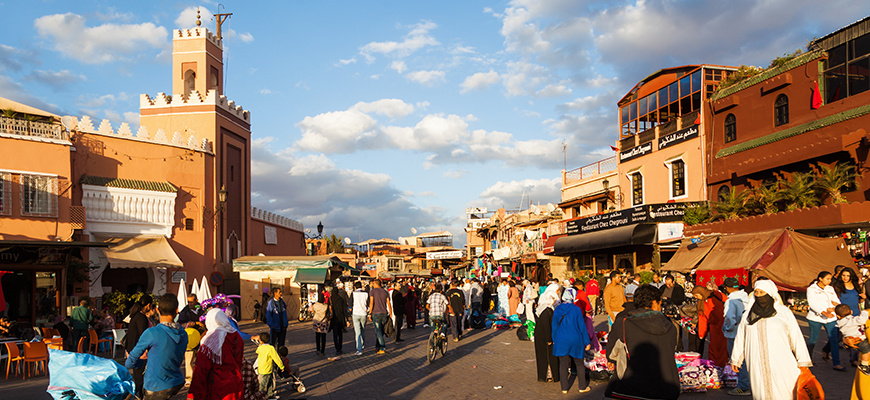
(817, 97)
(613, 148)
(698, 119)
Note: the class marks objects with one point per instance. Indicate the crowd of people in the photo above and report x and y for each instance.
(749, 330)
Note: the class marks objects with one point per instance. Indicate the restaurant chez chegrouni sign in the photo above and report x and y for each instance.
(648, 213)
(671, 139)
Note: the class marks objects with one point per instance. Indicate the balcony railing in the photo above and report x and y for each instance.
(594, 169)
(22, 127)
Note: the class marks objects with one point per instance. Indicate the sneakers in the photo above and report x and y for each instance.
(739, 392)
(865, 369)
(382, 352)
(359, 353)
(425, 325)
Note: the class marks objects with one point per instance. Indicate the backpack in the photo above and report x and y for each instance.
(522, 333)
(477, 320)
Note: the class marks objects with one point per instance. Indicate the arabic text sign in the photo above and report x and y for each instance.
(678, 137)
(635, 152)
(667, 212)
(444, 255)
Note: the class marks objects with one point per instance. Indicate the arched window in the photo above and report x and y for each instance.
(730, 128)
(723, 193)
(189, 81)
(780, 110)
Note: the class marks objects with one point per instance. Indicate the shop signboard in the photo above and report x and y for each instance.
(679, 136)
(670, 231)
(666, 212)
(635, 152)
(444, 255)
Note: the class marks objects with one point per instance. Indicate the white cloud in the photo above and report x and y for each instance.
(459, 49)
(99, 44)
(433, 132)
(348, 202)
(416, 39)
(348, 61)
(265, 91)
(187, 17)
(132, 118)
(335, 132)
(13, 90)
(479, 81)
(399, 66)
(423, 105)
(425, 78)
(93, 101)
(554, 90)
(375, 77)
(14, 59)
(246, 37)
(523, 77)
(511, 194)
(393, 108)
(57, 80)
(455, 173)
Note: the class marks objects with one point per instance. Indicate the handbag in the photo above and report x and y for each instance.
(521, 308)
(808, 387)
(620, 353)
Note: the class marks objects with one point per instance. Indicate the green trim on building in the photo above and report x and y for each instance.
(767, 74)
(128, 184)
(797, 130)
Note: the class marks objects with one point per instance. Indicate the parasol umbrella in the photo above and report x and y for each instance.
(195, 290)
(204, 290)
(182, 295)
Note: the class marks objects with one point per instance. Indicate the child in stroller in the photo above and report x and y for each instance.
(289, 373)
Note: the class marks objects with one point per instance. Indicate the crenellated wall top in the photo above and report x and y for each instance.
(196, 33)
(263, 215)
(177, 139)
(195, 98)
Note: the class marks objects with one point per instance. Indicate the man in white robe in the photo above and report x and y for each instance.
(772, 346)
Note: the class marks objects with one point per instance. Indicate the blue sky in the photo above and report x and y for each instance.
(376, 117)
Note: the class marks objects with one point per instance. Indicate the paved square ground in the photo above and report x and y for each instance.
(471, 369)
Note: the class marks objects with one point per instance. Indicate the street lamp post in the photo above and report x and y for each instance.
(315, 239)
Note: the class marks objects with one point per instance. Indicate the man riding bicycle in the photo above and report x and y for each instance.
(437, 306)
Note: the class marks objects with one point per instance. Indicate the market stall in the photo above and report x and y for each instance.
(789, 258)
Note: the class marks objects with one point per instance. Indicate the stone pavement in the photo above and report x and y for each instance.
(471, 369)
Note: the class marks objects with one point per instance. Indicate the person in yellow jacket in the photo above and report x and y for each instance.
(614, 297)
(266, 355)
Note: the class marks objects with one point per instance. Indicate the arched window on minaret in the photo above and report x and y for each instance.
(189, 82)
(214, 79)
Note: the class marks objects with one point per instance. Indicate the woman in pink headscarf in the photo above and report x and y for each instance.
(217, 374)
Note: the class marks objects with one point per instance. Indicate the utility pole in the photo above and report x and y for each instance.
(220, 18)
(564, 150)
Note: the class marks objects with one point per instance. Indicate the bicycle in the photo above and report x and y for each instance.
(437, 340)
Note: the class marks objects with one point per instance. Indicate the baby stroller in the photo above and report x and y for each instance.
(291, 375)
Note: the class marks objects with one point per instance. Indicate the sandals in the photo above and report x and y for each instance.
(826, 357)
(839, 368)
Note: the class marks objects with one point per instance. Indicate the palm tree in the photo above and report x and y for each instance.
(766, 197)
(832, 180)
(9, 113)
(697, 214)
(733, 205)
(799, 191)
(334, 244)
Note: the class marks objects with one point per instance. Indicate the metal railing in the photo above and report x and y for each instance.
(594, 169)
(22, 127)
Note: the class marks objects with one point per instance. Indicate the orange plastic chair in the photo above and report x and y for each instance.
(95, 340)
(35, 352)
(14, 357)
(47, 333)
(56, 344)
(81, 346)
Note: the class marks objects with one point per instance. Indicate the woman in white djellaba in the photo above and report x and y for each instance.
(772, 344)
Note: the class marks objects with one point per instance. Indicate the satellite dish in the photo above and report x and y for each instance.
(533, 208)
(414, 230)
(68, 122)
(347, 240)
(551, 207)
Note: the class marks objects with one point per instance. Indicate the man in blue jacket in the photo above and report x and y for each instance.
(165, 344)
(276, 318)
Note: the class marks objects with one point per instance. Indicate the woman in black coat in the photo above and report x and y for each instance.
(338, 324)
(544, 334)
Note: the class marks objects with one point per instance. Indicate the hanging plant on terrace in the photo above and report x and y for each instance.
(832, 180)
(697, 214)
(799, 191)
(766, 198)
(733, 204)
